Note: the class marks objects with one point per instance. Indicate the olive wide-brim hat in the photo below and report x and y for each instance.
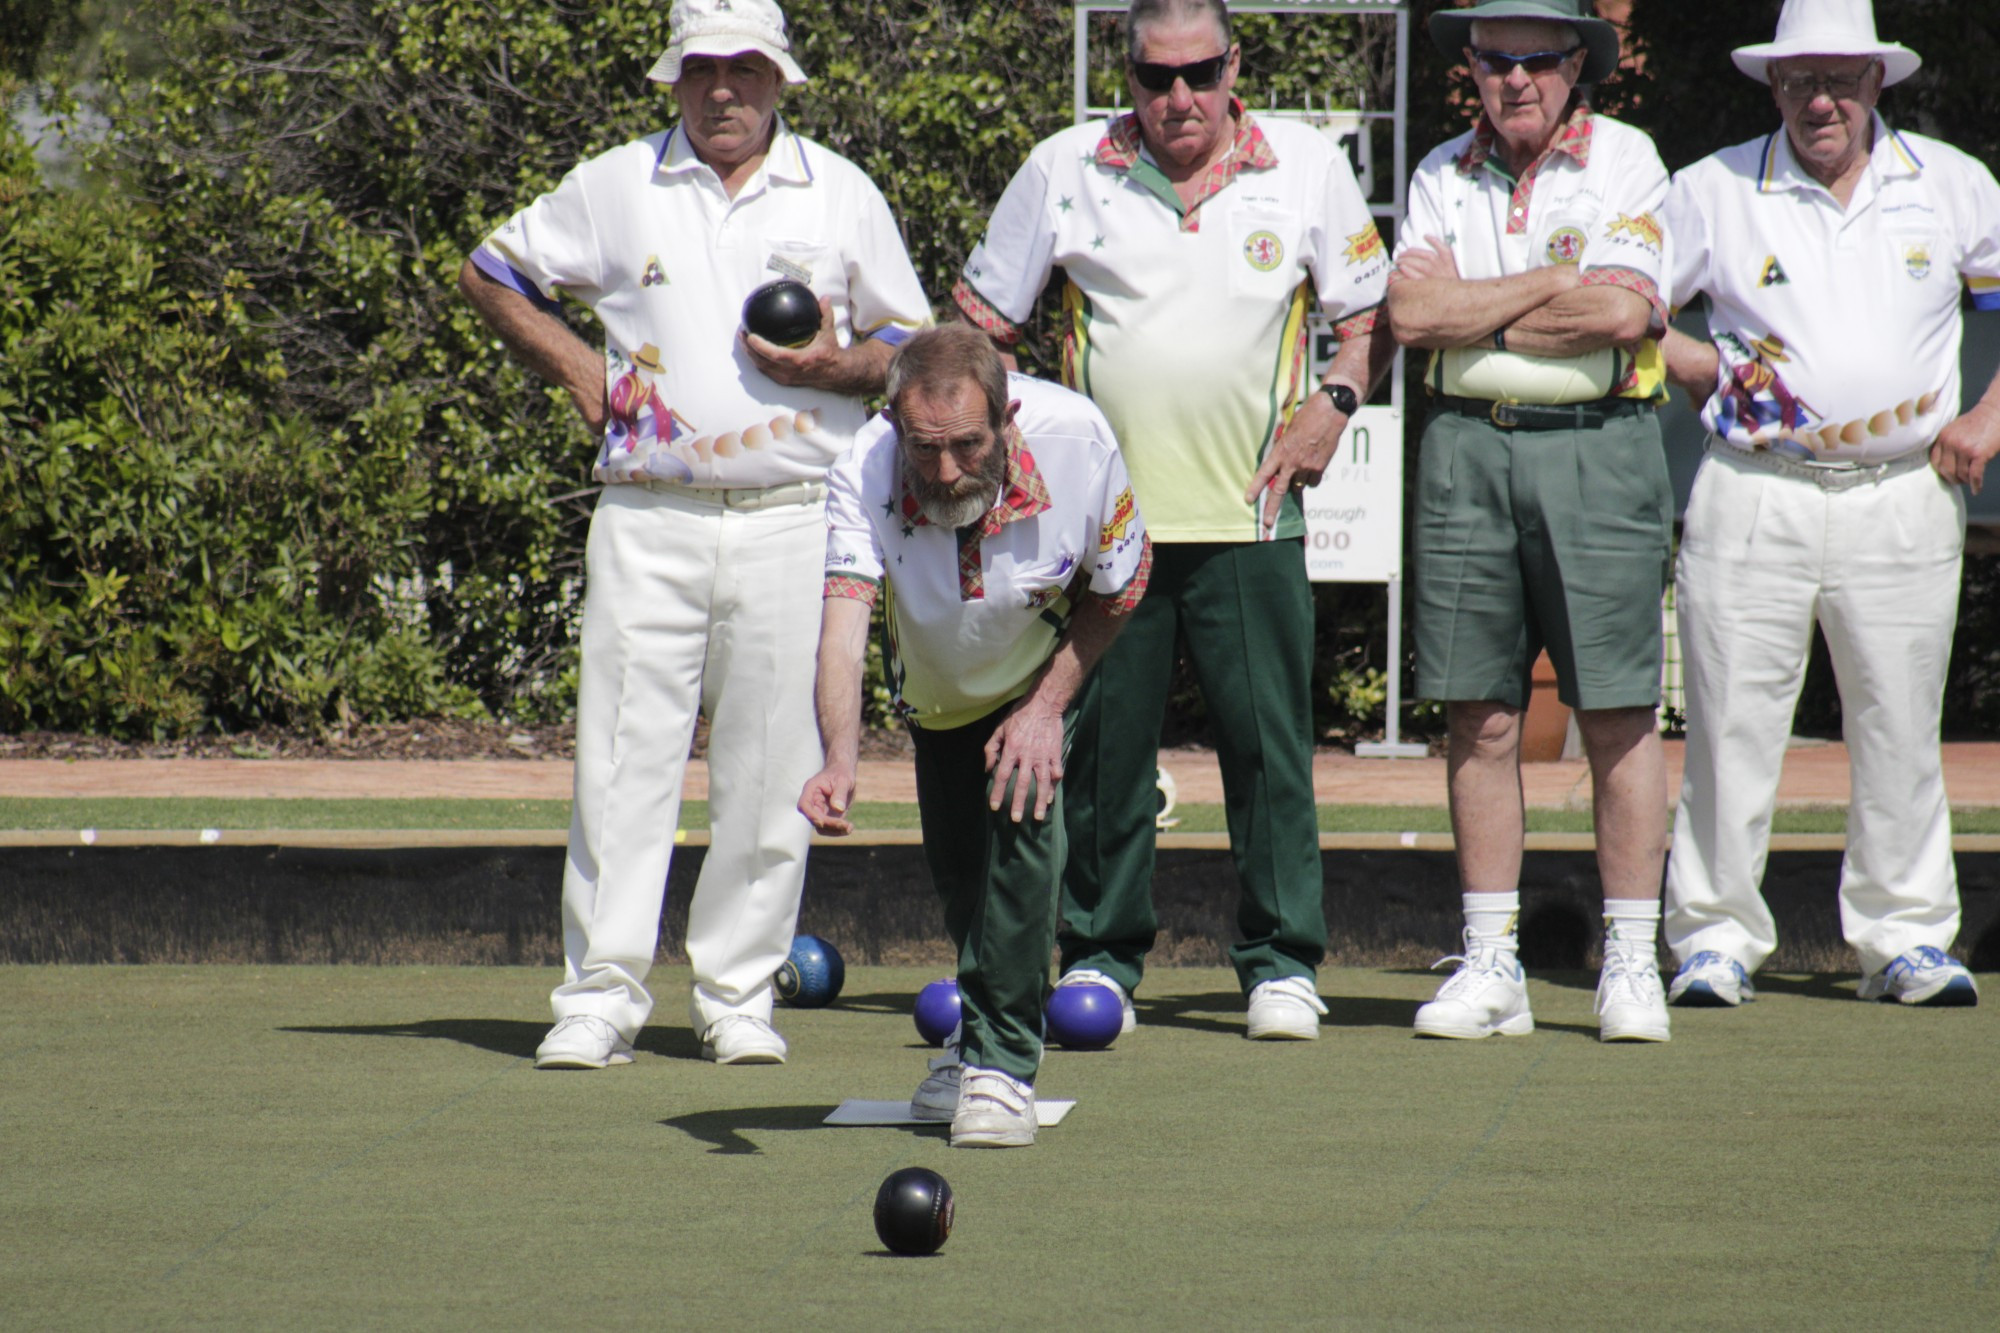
(1451, 29)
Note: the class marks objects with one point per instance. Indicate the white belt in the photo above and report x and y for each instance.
(743, 497)
(1826, 476)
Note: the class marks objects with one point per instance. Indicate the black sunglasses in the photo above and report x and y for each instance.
(1201, 75)
(1501, 63)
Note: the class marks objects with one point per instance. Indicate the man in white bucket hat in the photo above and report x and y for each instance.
(703, 561)
(1830, 253)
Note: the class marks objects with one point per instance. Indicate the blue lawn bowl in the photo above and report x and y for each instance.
(937, 1010)
(812, 975)
(1083, 1017)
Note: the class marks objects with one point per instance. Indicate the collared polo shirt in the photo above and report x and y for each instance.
(973, 613)
(1838, 328)
(1186, 326)
(1592, 199)
(646, 236)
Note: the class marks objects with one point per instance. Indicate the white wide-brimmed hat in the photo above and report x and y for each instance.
(725, 28)
(1827, 28)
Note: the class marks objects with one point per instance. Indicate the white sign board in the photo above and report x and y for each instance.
(1354, 517)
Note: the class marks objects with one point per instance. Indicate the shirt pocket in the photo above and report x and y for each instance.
(1263, 259)
(813, 263)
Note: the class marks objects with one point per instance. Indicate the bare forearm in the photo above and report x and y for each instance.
(1362, 362)
(1587, 319)
(1458, 312)
(543, 343)
(1691, 365)
(1092, 628)
(843, 644)
(858, 371)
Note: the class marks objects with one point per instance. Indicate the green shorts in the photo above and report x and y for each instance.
(1533, 539)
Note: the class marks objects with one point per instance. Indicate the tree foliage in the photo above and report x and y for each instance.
(258, 462)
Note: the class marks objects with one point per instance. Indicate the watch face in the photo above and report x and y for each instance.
(1344, 400)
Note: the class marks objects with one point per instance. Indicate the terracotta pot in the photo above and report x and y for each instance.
(1546, 725)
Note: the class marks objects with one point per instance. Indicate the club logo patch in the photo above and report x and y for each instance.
(1917, 259)
(1264, 251)
(1565, 246)
(654, 274)
(1365, 245)
(1645, 229)
(1773, 274)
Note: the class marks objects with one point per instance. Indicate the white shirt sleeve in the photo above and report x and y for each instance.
(1349, 263)
(884, 294)
(853, 547)
(1979, 234)
(1011, 264)
(1424, 215)
(1629, 232)
(1688, 241)
(552, 243)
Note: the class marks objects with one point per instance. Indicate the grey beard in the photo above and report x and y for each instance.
(964, 504)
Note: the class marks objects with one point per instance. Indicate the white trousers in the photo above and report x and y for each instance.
(691, 605)
(1763, 555)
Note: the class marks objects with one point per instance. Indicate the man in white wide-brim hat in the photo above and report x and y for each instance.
(1830, 253)
(703, 589)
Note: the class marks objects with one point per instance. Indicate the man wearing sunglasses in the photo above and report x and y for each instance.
(1193, 240)
(1531, 266)
(1830, 254)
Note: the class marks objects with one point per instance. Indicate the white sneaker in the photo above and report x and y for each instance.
(995, 1110)
(582, 1041)
(1926, 975)
(1285, 1009)
(742, 1039)
(1487, 995)
(1710, 980)
(1631, 1003)
(936, 1098)
(1090, 976)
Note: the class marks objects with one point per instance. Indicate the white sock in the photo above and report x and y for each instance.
(1494, 917)
(1632, 921)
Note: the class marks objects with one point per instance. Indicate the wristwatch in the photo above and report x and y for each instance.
(1344, 398)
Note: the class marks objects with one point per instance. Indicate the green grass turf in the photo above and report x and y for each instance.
(35, 813)
(341, 1147)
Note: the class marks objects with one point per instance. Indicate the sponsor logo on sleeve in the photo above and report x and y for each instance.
(1113, 530)
(1363, 246)
(1645, 229)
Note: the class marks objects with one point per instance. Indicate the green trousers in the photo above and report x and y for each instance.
(998, 882)
(1244, 612)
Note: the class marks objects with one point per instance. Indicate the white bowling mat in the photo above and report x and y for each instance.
(856, 1111)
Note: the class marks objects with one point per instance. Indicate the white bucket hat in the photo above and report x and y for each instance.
(1827, 28)
(725, 28)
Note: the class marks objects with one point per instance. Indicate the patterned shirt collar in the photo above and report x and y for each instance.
(1023, 493)
(1119, 148)
(1573, 139)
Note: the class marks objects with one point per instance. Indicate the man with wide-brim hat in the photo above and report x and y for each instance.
(1530, 265)
(702, 592)
(1831, 253)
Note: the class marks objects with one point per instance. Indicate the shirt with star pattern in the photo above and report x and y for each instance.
(973, 613)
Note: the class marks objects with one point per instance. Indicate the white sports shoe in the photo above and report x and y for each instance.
(1090, 976)
(1711, 980)
(742, 1039)
(1631, 1003)
(1488, 995)
(995, 1110)
(936, 1098)
(1925, 975)
(582, 1041)
(1285, 1009)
